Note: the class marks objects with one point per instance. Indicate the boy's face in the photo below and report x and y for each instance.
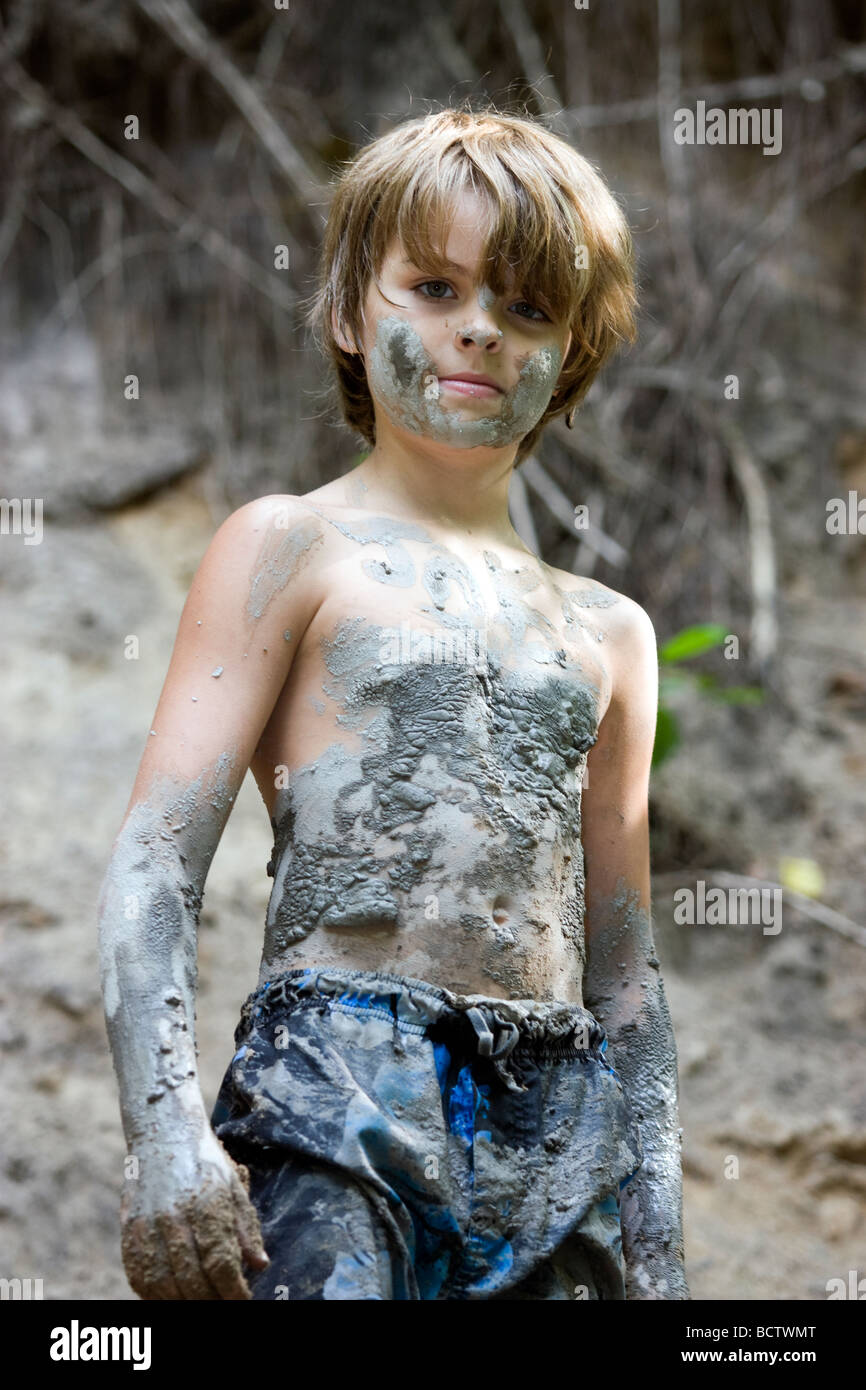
(420, 348)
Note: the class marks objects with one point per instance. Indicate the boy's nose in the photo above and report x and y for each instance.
(483, 337)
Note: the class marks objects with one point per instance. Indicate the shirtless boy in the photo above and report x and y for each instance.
(457, 1076)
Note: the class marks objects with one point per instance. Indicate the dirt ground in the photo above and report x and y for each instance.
(770, 1028)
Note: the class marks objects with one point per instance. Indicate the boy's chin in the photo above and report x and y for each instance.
(448, 448)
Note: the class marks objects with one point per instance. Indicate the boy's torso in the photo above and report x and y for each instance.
(433, 731)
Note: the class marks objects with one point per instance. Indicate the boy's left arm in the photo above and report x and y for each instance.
(623, 985)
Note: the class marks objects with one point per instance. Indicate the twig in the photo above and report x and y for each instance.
(551, 494)
(16, 194)
(673, 156)
(764, 626)
(619, 469)
(676, 376)
(177, 20)
(449, 48)
(143, 188)
(525, 39)
(96, 271)
(745, 258)
(521, 512)
(848, 60)
(19, 29)
(585, 558)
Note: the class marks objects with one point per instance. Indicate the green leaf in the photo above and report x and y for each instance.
(667, 736)
(692, 641)
(740, 694)
(670, 685)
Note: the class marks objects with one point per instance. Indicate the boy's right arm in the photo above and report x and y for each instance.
(187, 1221)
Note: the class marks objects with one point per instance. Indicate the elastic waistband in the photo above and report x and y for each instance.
(551, 1028)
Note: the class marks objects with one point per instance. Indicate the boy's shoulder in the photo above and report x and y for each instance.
(622, 616)
(251, 524)
(271, 507)
(274, 533)
(287, 508)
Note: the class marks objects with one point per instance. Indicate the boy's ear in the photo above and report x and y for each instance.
(347, 343)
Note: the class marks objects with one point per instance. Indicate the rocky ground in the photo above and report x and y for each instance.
(770, 1028)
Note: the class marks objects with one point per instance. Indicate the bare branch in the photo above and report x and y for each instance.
(585, 558)
(807, 78)
(521, 512)
(187, 31)
(141, 187)
(26, 15)
(694, 300)
(551, 494)
(525, 39)
(764, 627)
(619, 469)
(94, 273)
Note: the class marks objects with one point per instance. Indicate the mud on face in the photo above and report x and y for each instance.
(403, 376)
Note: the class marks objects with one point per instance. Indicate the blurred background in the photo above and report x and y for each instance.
(155, 374)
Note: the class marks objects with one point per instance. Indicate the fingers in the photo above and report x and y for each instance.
(192, 1252)
(146, 1260)
(190, 1278)
(246, 1219)
(213, 1226)
(249, 1231)
(243, 1173)
(195, 1249)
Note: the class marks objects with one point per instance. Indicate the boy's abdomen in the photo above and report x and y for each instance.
(439, 833)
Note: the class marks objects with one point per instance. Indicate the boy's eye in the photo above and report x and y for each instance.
(542, 317)
(441, 284)
(535, 315)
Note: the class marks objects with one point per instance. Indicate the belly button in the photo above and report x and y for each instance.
(500, 913)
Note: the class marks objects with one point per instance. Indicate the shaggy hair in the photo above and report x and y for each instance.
(551, 215)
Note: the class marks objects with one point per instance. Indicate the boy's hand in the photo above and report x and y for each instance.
(660, 1279)
(188, 1226)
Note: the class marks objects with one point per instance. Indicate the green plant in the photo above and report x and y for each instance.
(683, 646)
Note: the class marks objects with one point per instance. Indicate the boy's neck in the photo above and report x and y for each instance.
(458, 492)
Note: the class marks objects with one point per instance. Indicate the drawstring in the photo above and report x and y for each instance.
(498, 1052)
(485, 1037)
(496, 1036)
(399, 1045)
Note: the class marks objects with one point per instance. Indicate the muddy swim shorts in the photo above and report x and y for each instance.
(405, 1142)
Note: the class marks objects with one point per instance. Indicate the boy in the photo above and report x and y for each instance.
(421, 1104)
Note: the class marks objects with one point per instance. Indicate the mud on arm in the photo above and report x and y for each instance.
(148, 928)
(186, 1216)
(622, 983)
(624, 989)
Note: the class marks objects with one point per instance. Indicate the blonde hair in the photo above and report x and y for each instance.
(556, 229)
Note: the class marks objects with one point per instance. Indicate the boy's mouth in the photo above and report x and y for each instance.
(470, 384)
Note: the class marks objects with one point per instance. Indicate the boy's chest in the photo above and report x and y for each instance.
(428, 601)
(456, 645)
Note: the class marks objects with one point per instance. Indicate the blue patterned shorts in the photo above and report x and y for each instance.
(405, 1142)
